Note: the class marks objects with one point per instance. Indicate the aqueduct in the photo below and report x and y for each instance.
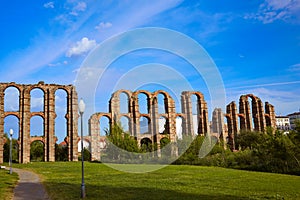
(48, 114)
(152, 116)
(143, 125)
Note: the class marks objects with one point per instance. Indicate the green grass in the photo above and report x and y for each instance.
(63, 181)
(7, 184)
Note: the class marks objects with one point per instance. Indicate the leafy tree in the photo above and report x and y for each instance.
(120, 144)
(15, 148)
(61, 153)
(86, 155)
(37, 151)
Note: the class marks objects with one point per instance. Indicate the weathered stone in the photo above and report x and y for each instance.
(48, 114)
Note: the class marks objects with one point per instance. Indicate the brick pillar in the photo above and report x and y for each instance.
(50, 124)
(25, 134)
(94, 132)
(1, 123)
(72, 124)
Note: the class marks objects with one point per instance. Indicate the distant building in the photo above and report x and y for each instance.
(282, 123)
(293, 117)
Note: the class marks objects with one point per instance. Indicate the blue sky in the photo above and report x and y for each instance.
(254, 44)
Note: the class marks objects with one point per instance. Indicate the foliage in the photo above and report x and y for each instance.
(268, 152)
(86, 155)
(61, 153)
(37, 151)
(15, 152)
(63, 181)
(120, 146)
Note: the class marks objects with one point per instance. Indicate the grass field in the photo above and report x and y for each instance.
(7, 184)
(63, 181)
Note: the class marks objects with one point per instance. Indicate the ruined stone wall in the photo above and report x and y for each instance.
(48, 114)
(153, 115)
(252, 116)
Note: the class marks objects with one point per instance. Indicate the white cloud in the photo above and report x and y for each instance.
(294, 68)
(103, 25)
(49, 5)
(273, 10)
(58, 64)
(80, 7)
(81, 47)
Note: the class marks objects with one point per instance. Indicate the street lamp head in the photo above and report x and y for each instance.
(81, 106)
(11, 132)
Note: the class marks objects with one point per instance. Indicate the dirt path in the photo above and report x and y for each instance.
(29, 186)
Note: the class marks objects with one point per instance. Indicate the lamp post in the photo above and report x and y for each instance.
(11, 132)
(81, 111)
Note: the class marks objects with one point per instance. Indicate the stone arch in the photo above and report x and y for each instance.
(60, 102)
(48, 114)
(34, 122)
(144, 125)
(13, 87)
(201, 116)
(137, 101)
(146, 144)
(39, 141)
(34, 102)
(127, 126)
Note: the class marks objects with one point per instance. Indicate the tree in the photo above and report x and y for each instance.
(121, 144)
(15, 148)
(37, 151)
(61, 153)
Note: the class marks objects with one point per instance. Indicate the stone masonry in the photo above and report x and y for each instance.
(48, 114)
(153, 117)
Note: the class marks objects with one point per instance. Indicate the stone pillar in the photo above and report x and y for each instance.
(187, 110)
(49, 127)
(261, 112)
(270, 112)
(94, 132)
(1, 122)
(25, 134)
(72, 122)
(232, 123)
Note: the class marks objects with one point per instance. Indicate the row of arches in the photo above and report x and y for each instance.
(43, 110)
(153, 123)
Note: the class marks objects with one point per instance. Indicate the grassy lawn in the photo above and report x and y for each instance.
(7, 184)
(63, 181)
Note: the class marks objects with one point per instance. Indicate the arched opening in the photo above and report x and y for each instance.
(251, 101)
(61, 111)
(36, 126)
(143, 103)
(195, 112)
(162, 107)
(124, 103)
(179, 129)
(86, 150)
(11, 122)
(163, 129)
(104, 125)
(146, 145)
(36, 100)
(11, 99)
(144, 125)
(37, 151)
(125, 124)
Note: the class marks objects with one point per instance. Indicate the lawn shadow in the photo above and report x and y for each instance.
(72, 191)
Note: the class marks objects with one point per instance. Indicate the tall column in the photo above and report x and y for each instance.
(94, 132)
(25, 134)
(1, 123)
(73, 124)
(50, 134)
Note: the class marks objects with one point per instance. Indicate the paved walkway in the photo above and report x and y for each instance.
(29, 186)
